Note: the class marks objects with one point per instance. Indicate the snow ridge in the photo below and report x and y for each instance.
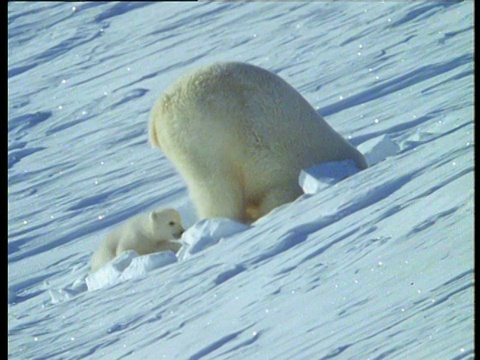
(376, 264)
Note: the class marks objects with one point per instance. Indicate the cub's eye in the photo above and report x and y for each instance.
(171, 223)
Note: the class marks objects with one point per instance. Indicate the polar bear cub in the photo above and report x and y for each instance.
(145, 233)
(240, 135)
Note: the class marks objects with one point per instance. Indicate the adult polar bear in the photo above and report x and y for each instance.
(240, 135)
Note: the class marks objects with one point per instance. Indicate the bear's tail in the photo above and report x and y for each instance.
(152, 133)
(360, 160)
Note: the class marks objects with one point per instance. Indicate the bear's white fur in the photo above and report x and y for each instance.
(145, 233)
(240, 135)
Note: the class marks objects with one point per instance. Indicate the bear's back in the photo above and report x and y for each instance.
(247, 108)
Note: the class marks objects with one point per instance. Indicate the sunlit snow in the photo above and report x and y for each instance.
(375, 264)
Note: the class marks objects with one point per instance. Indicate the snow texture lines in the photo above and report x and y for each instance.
(376, 264)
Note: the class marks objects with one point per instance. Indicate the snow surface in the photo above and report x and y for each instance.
(377, 265)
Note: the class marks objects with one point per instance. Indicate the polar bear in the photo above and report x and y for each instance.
(240, 135)
(145, 233)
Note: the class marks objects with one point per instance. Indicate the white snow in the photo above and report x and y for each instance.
(372, 264)
(128, 265)
(206, 233)
(322, 176)
(111, 272)
(378, 149)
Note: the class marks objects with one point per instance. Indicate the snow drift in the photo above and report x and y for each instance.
(374, 265)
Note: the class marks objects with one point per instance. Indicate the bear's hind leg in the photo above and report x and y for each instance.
(277, 196)
(100, 257)
(219, 197)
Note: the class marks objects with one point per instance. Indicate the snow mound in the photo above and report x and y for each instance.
(378, 149)
(318, 177)
(110, 272)
(60, 295)
(142, 265)
(206, 233)
(128, 265)
(376, 266)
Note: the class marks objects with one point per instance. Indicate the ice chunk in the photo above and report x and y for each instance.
(144, 264)
(318, 177)
(60, 295)
(79, 285)
(110, 272)
(206, 233)
(378, 149)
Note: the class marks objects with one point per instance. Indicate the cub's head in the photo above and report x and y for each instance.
(166, 224)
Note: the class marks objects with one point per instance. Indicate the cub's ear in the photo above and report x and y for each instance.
(165, 214)
(154, 215)
(157, 214)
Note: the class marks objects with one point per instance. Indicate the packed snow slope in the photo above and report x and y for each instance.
(376, 266)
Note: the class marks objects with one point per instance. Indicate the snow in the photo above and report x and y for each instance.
(322, 176)
(206, 233)
(128, 265)
(378, 149)
(372, 264)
